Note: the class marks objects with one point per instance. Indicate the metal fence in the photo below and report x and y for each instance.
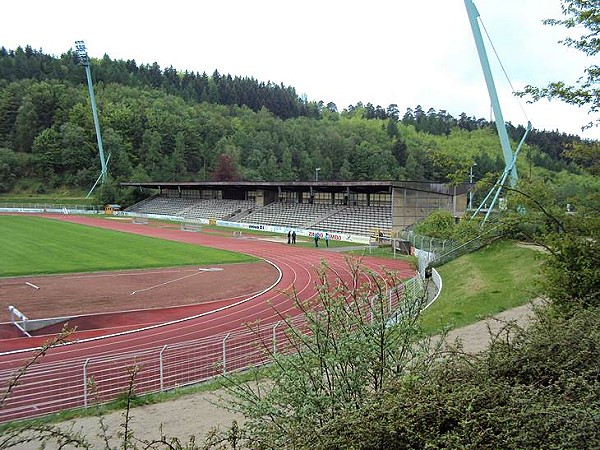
(427, 243)
(435, 252)
(79, 383)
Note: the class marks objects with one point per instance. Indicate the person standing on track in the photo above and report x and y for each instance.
(316, 239)
(294, 237)
(289, 236)
(326, 239)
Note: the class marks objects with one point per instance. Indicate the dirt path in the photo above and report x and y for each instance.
(196, 414)
(475, 337)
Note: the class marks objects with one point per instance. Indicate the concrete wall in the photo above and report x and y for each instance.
(410, 206)
(264, 198)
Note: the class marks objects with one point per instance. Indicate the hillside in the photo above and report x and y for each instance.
(161, 124)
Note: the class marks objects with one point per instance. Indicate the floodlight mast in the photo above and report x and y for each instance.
(84, 60)
(473, 14)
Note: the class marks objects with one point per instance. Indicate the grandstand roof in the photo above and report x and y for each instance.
(302, 186)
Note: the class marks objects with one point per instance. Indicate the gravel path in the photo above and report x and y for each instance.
(475, 337)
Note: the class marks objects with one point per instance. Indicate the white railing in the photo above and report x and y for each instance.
(18, 319)
(46, 388)
(49, 208)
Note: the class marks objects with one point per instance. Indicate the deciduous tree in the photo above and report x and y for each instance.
(226, 169)
(347, 353)
(582, 15)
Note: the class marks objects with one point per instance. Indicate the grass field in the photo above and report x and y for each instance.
(33, 245)
(491, 280)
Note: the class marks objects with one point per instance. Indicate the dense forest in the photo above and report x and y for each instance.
(167, 125)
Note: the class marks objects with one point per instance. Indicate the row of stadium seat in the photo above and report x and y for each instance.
(361, 220)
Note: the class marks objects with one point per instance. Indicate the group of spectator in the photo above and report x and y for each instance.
(317, 239)
(292, 238)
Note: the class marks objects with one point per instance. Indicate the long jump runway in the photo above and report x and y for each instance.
(298, 272)
(94, 301)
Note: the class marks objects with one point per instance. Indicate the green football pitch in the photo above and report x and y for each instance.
(34, 245)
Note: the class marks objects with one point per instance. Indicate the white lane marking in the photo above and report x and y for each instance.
(210, 269)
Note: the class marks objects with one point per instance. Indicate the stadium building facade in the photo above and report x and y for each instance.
(358, 207)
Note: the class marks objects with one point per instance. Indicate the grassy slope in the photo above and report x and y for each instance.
(496, 278)
(32, 245)
(57, 199)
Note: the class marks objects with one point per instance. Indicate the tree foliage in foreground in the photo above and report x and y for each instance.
(572, 275)
(532, 388)
(538, 389)
(346, 355)
(571, 240)
(582, 15)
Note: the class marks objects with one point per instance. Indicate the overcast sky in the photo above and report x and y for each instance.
(407, 52)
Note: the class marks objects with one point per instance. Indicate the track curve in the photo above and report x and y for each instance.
(298, 272)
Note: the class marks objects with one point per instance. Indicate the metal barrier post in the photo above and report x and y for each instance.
(225, 353)
(85, 388)
(275, 337)
(160, 357)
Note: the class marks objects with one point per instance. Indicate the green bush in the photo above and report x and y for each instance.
(540, 390)
(572, 278)
(439, 224)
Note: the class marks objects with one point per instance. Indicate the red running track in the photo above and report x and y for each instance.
(297, 267)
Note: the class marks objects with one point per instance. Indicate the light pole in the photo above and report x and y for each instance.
(83, 58)
(317, 170)
(471, 186)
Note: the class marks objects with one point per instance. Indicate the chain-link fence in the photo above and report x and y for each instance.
(433, 252)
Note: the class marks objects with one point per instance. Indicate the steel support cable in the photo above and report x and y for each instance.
(502, 67)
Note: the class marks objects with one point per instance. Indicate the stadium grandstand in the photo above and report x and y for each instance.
(360, 209)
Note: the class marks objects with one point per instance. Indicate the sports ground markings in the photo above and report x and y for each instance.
(160, 328)
(200, 270)
(300, 264)
(228, 319)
